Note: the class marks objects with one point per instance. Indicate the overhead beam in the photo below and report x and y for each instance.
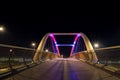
(64, 33)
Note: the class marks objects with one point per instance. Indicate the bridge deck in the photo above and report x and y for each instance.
(63, 70)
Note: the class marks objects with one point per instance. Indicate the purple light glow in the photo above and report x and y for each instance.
(74, 44)
(56, 45)
(78, 35)
(54, 40)
(51, 35)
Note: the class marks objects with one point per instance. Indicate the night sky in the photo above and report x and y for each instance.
(22, 29)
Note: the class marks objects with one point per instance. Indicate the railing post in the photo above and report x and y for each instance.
(10, 55)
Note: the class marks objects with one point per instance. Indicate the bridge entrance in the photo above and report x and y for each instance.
(90, 55)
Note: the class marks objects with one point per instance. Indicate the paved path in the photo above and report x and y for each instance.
(66, 69)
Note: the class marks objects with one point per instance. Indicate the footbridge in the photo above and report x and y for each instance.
(47, 63)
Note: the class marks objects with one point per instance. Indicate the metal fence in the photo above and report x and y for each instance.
(109, 55)
(13, 56)
(106, 56)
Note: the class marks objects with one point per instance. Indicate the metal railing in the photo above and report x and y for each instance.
(108, 58)
(109, 55)
(14, 57)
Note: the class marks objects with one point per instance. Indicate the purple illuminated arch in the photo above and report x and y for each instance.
(54, 40)
(77, 36)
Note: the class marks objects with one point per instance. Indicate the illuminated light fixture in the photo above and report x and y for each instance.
(73, 45)
(56, 44)
(78, 35)
(51, 35)
(74, 42)
(96, 45)
(2, 28)
(46, 50)
(33, 44)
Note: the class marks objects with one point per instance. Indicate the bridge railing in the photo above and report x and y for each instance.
(48, 55)
(109, 55)
(14, 57)
(108, 58)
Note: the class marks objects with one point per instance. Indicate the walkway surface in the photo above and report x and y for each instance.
(63, 69)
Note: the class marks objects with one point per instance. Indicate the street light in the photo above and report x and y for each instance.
(2, 28)
(96, 45)
(10, 55)
(33, 45)
(46, 50)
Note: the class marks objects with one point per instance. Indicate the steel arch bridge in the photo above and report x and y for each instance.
(91, 55)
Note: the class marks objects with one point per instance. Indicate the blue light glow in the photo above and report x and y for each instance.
(73, 45)
(64, 44)
(56, 44)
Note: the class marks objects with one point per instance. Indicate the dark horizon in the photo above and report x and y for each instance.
(22, 30)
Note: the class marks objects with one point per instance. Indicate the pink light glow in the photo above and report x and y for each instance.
(56, 44)
(78, 35)
(74, 44)
(52, 36)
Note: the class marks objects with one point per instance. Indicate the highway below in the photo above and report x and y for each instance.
(63, 69)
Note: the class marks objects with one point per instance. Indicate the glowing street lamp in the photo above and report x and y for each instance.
(10, 55)
(96, 45)
(2, 28)
(33, 45)
(46, 50)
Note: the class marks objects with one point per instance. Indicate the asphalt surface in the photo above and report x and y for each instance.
(63, 69)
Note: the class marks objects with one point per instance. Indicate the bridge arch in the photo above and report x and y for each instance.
(90, 51)
(41, 46)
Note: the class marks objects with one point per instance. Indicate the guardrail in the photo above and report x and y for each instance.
(108, 58)
(109, 55)
(14, 59)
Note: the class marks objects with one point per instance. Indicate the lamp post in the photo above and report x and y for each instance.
(10, 55)
(33, 45)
